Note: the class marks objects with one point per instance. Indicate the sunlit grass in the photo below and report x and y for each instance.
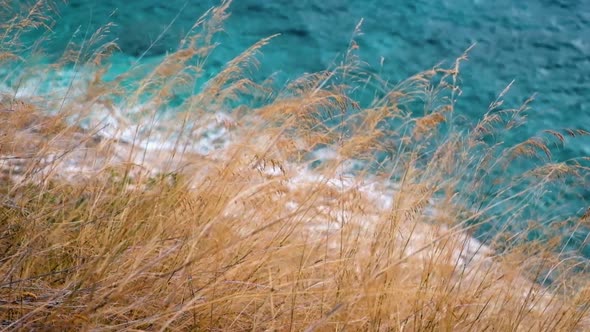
(301, 209)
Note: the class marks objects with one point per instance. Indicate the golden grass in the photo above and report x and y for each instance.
(313, 212)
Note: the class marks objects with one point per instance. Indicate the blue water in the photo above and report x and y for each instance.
(543, 45)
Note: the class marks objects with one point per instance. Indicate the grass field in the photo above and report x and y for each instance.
(249, 208)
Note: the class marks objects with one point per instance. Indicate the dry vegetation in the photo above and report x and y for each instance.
(312, 211)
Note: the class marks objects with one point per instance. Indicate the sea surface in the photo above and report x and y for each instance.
(541, 45)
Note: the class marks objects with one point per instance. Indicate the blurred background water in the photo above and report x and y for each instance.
(543, 45)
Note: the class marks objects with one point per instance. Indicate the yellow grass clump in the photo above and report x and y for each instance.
(304, 209)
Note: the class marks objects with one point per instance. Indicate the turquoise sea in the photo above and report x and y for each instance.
(543, 45)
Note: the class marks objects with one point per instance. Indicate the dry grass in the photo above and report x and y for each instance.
(313, 211)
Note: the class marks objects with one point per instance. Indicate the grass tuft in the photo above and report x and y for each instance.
(142, 203)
